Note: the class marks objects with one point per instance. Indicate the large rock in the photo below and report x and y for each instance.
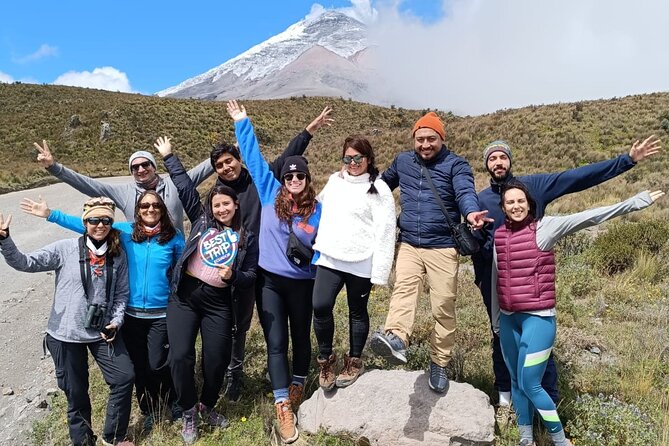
(397, 408)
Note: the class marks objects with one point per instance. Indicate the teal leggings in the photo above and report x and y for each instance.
(527, 341)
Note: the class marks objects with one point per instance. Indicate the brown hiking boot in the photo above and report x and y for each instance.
(295, 394)
(353, 368)
(326, 376)
(286, 422)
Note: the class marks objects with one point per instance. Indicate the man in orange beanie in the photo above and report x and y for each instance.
(426, 244)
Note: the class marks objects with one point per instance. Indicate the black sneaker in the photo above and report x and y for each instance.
(438, 379)
(234, 385)
(389, 346)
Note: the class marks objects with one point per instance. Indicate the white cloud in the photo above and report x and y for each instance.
(43, 51)
(486, 55)
(105, 78)
(5, 78)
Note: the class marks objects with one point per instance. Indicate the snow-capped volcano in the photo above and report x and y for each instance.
(321, 55)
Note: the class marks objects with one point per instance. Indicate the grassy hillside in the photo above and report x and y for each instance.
(544, 138)
(612, 338)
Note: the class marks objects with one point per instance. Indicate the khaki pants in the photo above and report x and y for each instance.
(441, 267)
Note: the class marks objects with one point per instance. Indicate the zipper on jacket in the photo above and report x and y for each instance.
(146, 270)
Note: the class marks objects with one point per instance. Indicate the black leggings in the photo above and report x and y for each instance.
(146, 341)
(329, 283)
(281, 302)
(199, 306)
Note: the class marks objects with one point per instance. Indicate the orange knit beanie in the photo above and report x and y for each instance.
(430, 121)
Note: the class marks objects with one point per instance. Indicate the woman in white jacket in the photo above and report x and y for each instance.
(356, 245)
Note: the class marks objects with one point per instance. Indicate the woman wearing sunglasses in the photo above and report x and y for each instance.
(356, 243)
(153, 246)
(288, 223)
(89, 301)
(204, 297)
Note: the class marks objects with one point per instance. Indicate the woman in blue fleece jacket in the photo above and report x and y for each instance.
(152, 245)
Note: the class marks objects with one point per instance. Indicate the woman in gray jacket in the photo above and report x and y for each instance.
(90, 296)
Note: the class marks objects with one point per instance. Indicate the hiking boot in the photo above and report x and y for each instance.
(526, 442)
(353, 368)
(326, 376)
(210, 416)
(438, 380)
(504, 416)
(389, 346)
(189, 428)
(286, 422)
(234, 385)
(295, 394)
(176, 411)
(149, 421)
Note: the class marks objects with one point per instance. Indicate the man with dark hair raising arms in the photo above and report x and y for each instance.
(544, 188)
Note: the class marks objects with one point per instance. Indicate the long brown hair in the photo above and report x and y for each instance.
(167, 229)
(304, 203)
(114, 242)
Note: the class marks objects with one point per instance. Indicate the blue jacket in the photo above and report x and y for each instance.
(544, 188)
(245, 264)
(149, 263)
(274, 233)
(422, 223)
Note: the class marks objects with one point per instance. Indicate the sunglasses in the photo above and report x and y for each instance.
(145, 165)
(97, 220)
(155, 206)
(356, 159)
(291, 176)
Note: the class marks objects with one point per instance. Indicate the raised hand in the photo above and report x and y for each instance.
(237, 112)
(37, 208)
(4, 225)
(164, 145)
(656, 194)
(321, 120)
(650, 146)
(44, 156)
(478, 219)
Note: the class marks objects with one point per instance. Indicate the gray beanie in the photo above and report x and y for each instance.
(141, 154)
(496, 146)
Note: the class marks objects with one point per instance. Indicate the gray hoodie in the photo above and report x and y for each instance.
(68, 312)
(125, 195)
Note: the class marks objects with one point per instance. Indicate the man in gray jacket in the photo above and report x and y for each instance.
(142, 166)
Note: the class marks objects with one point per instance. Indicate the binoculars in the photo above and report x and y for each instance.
(95, 316)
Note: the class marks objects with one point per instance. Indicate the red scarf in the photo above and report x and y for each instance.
(97, 263)
(151, 232)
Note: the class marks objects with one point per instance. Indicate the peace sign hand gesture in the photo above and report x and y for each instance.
(44, 156)
(4, 226)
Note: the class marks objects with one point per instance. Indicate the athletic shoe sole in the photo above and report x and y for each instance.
(382, 348)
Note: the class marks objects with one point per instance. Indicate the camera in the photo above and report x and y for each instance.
(95, 317)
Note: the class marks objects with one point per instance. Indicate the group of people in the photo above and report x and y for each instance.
(137, 293)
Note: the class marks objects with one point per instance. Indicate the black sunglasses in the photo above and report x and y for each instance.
(356, 159)
(97, 220)
(145, 165)
(155, 206)
(290, 176)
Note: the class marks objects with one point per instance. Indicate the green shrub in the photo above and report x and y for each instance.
(608, 421)
(617, 249)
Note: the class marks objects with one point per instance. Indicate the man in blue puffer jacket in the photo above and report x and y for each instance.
(426, 244)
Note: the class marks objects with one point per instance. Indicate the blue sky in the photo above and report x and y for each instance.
(155, 44)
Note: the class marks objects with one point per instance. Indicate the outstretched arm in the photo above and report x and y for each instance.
(551, 229)
(299, 143)
(549, 187)
(82, 183)
(44, 259)
(264, 179)
(188, 195)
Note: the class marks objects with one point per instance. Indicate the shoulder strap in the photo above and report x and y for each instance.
(85, 278)
(109, 261)
(436, 194)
